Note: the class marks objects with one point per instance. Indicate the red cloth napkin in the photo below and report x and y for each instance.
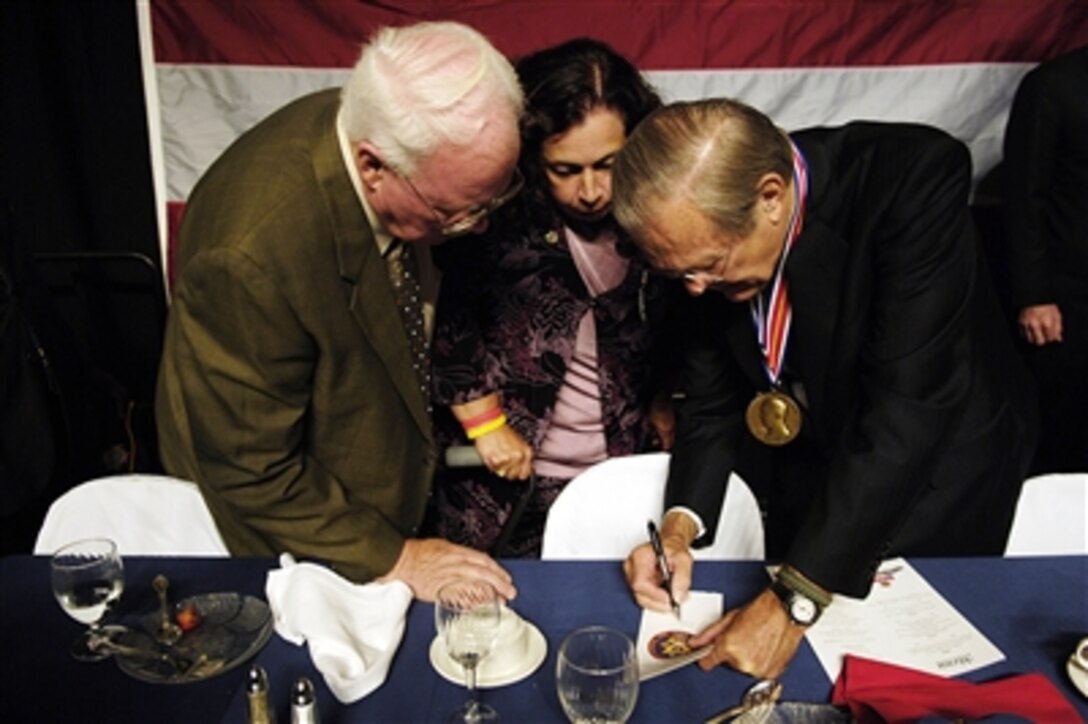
(879, 692)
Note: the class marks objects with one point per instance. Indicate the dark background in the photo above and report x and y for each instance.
(81, 297)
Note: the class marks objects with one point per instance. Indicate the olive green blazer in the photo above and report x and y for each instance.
(286, 389)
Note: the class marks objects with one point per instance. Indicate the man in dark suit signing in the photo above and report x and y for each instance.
(848, 307)
(293, 381)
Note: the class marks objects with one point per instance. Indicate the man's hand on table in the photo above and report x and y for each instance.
(757, 639)
(426, 564)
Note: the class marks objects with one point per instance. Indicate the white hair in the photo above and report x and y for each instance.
(420, 86)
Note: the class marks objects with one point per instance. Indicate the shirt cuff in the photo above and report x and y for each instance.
(691, 514)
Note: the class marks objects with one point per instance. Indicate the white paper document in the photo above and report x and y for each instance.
(904, 621)
(662, 638)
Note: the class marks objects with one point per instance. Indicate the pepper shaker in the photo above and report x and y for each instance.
(257, 697)
(303, 703)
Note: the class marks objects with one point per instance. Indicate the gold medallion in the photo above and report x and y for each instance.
(774, 418)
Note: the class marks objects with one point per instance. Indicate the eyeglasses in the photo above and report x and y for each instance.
(465, 222)
(704, 276)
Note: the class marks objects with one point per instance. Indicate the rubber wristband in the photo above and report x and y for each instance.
(480, 419)
(491, 426)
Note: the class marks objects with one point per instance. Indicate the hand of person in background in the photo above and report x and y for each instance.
(506, 453)
(426, 564)
(1041, 324)
(663, 418)
(501, 448)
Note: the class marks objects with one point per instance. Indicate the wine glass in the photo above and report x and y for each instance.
(88, 578)
(596, 675)
(467, 614)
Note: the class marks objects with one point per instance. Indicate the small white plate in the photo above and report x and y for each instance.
(485, 679)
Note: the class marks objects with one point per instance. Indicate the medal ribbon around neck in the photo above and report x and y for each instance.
(772, 320)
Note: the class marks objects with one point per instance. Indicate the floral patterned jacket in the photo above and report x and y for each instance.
(507, 320)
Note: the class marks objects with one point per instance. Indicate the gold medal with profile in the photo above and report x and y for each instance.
(774, 418)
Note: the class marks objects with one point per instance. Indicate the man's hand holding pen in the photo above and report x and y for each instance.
(643, 566)
(756, 638)
(663, 567)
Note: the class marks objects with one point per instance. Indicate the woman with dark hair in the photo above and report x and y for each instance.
(546, 344)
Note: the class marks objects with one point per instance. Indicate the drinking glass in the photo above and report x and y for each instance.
(467, 614)
(88, 578)
(596, 675)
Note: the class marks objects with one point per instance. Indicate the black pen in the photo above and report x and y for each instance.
(663, 564)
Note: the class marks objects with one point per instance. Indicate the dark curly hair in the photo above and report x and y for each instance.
(562, 84)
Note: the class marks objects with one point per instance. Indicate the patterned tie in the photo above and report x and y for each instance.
(404, 276)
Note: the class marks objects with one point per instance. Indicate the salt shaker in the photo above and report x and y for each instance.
(257, 696)
(303, 703)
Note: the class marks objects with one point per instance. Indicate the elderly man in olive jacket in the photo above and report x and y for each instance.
(287, 389)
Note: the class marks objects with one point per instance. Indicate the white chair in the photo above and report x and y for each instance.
(1051, 516)
(602, 513)
(143, 514)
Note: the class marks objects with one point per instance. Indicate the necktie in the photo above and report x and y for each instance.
(404, 276)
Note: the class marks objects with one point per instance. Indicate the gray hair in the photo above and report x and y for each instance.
(710, 152)
(417, 87)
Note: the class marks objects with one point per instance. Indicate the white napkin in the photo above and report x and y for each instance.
(353, 630)
(699, 610)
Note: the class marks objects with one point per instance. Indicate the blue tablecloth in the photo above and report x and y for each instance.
(1033, 609)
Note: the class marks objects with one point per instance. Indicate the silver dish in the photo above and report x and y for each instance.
(232, 629)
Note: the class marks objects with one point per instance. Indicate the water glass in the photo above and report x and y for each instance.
(597, 676)
(88, 577)
(467, 613)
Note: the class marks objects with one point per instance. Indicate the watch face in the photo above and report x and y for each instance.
(803, 610)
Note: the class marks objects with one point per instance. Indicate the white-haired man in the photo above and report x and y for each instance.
(292, 388)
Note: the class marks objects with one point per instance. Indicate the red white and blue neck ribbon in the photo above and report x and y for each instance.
(772, 312)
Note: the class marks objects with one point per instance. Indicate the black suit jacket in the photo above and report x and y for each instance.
(917, 424)
(1046, 185)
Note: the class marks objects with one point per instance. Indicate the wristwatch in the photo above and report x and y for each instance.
(801, 609)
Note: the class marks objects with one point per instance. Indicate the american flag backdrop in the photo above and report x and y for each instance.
(213, 68)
